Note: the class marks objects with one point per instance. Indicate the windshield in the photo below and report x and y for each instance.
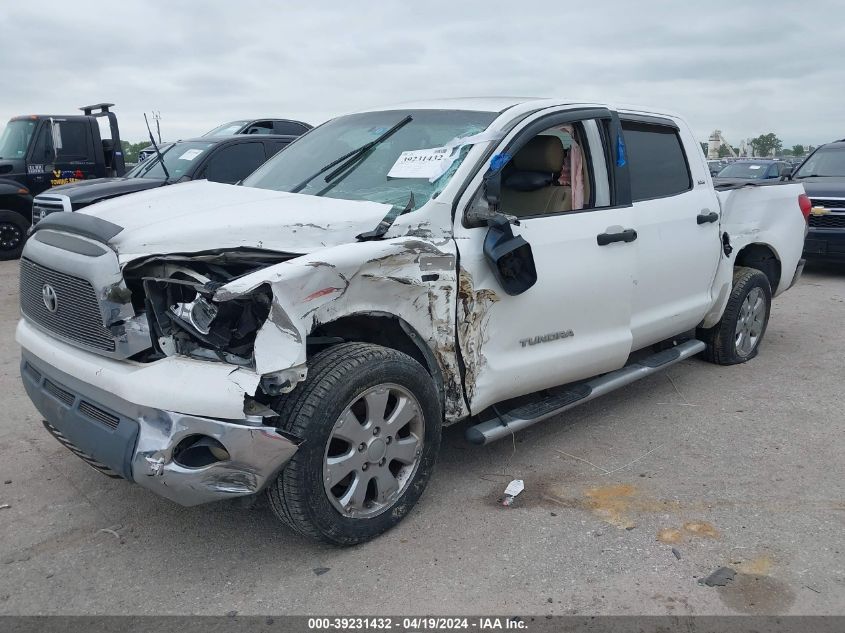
(227, 129)
(178, 158)
(366, 178)
(15, 139)
(744, 170)
(824, 162)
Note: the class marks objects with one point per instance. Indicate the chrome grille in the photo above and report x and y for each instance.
(833, 204)
(77, 316)
(828, 221)
(42, 207)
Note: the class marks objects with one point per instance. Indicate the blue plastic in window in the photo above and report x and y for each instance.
(620, 151)
(498, 161)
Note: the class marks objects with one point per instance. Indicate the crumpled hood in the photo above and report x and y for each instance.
(200, 216)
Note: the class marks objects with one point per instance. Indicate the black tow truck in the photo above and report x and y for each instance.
(40, 151)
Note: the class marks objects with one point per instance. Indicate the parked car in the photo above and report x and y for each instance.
(282, 127)
(225, 159)
(715, 166)
(752, 169)
(310, 332)
(823, 175)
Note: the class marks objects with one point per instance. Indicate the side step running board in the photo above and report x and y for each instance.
(506, 422)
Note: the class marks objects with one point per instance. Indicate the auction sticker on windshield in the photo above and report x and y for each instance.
(421, 163)
(191, 154)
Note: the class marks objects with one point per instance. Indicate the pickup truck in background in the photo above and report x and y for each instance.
(310, 332)
(823, 176)
(226, 159)
(40, 151)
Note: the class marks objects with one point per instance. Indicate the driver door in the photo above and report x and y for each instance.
(574, 322)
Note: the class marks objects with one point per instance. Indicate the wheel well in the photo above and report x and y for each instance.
(378, 328)
(764, 259)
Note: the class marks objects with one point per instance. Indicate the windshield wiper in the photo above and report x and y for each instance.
(158, 152)
(386, 222)
(350, 156)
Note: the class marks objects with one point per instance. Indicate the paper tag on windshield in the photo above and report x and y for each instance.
(191, 154)
(421, 163)
(754, 167)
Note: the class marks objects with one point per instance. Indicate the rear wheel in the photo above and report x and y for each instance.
(370, 420)
(736, 337)
(13, 228)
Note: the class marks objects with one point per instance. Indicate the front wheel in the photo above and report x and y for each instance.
(370, 419)
(13, 228)
(736, 337)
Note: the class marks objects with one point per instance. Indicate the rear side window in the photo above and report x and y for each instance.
(235, 162)
(275, 146)
(656, 161)
(289, 127)
(70, 139)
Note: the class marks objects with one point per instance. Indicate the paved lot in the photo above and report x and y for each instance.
(739, 466)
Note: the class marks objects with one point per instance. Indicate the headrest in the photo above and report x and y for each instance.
(541, 153)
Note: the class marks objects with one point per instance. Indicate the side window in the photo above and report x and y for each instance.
(71, 140)
(235, 162)
(260, 127)
(275, 146)
(656, 161)
(42, 148)
(561, 169)
(289, 127)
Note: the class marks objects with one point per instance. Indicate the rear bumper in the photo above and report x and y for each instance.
(799, 270)
(137, 442)
(825, 244)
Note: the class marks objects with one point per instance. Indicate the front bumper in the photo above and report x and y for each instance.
(825, 244)
(137, 441)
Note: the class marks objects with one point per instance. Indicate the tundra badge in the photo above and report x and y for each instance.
(545, 338)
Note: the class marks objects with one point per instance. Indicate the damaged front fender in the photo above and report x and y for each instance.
(411, 278)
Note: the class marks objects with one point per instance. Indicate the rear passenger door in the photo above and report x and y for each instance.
(233, 163)
(675, 214)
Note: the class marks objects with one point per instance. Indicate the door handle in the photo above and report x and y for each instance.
(704, 218)
(628, 235)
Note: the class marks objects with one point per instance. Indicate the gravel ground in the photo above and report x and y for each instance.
(730, 466)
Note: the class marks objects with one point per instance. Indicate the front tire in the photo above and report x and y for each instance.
(13, 228)
(370, 421)
(737, 336)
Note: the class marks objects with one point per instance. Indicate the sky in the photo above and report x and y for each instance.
(746, 67)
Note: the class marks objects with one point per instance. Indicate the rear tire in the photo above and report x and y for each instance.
(13, 229)
(370, 420)
(737, 336)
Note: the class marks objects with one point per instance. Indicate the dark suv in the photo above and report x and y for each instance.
(823, 175)
(225, 159)
(284, 127)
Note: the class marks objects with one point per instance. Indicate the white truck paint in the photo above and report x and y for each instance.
(591, 307)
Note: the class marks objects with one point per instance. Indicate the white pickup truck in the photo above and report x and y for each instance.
(310, 331)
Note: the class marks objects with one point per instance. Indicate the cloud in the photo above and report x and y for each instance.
(744, 67)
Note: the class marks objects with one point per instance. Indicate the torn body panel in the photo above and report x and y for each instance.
(410, 278)
(763, 216)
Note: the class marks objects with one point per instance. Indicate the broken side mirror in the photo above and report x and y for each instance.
(509, 256)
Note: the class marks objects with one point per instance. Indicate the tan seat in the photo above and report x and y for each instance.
(542, 154)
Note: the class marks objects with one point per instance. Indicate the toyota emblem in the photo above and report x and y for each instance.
(51, 301)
